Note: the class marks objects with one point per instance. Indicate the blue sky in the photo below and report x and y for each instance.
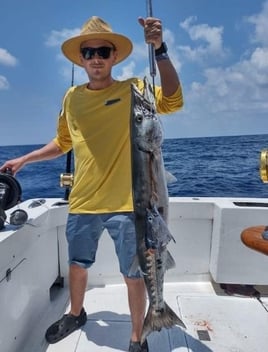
(220, 50)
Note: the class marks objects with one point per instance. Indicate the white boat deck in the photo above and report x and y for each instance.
(208, 251)
(215, 322)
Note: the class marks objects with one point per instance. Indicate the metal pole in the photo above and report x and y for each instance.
(150, 46)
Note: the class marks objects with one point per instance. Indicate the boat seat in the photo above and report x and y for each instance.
(256, 237)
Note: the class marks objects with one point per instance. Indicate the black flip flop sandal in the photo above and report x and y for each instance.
(137, 347)
(65, 326)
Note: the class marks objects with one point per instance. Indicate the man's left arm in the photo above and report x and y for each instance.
(168, 75)
(153, 34)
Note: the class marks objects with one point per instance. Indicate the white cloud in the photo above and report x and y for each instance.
(3, 83)
(6, 58)
(140, 51)
(236, 93)
(127, 71)
(242, 87)
(56, 38)
(260, 21)
(209, 39)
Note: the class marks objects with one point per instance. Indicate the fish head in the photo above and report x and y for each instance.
(149, 133)
(146, 127)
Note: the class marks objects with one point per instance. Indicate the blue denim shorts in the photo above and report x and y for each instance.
(83, 233)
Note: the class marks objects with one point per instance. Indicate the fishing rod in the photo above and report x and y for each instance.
(151, 49)
(66, 179)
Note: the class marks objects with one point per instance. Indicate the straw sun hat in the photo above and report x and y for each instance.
(96, 28)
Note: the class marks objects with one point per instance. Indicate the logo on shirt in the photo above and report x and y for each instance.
(112, 101)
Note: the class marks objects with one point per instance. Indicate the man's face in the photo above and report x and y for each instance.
(97, 63)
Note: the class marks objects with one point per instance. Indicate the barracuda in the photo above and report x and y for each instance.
(150, 197)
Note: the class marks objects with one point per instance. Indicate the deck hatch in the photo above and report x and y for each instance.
(203, 335)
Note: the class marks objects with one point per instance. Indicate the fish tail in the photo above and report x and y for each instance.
(156, 320)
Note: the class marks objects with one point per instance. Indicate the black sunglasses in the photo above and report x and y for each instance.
(103, 51)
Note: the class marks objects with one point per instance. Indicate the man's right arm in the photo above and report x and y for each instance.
(49, 151)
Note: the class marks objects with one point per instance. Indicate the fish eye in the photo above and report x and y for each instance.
(139, 118)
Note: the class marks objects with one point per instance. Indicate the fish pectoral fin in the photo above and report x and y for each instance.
(135, 267)
(170, 178)
(170, 237)
(170, 262)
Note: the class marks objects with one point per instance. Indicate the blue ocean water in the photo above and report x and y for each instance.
(204, 167)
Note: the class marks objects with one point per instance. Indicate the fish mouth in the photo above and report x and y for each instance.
(149, 146)
(149, 142)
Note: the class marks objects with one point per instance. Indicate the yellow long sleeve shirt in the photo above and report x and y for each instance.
(95, 124)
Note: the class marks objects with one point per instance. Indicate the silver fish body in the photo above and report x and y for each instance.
(150, 198)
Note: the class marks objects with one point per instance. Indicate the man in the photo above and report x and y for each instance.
(94, 122)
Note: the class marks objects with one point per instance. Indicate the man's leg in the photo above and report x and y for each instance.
(77, 316)
(78, 284)
(137, 305)
(122, 230)
(82, 233)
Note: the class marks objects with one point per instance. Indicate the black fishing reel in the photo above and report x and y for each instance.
(10, 195)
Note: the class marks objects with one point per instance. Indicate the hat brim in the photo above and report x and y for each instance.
(71, 47)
